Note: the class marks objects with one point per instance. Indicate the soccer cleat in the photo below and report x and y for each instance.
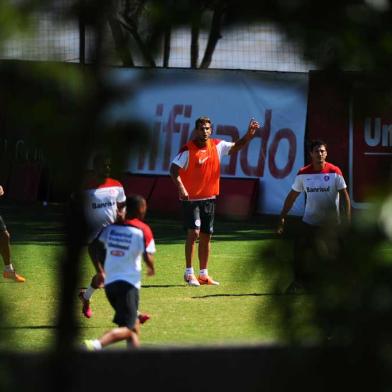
(207, 280)
(14, 276)
(86, 310)
(89, 345)
(143, 317)
(191, 280)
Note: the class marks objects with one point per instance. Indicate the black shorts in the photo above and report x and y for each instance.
(124, 299)
(3, 227)
(199, 215)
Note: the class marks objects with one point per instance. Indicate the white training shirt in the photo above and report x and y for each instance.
(100, 201)
(322, 193)
(125, 245)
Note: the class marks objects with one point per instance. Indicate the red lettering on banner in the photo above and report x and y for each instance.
(171, 127)
(288, 134)
(153, 152)
(231, 131)
(149, 156)
(174, 127)
(185, 126)
(263, 133)
(155, 138)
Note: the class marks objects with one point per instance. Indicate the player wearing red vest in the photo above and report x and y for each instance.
(196, 172)
(326, 194)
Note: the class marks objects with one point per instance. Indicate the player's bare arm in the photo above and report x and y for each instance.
(149, 260)
(345, 201)
(240, 143)
(1, 191)
(287, 205)
(175, 175)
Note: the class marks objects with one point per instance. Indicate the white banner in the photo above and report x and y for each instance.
(171, 100)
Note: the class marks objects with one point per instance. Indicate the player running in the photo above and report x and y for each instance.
(120, 248)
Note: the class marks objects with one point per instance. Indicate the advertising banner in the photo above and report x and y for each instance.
(170, 101)
(370, 143)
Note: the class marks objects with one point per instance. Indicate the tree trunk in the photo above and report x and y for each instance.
(143, 49)
(166, 46)
(121, 42)
(195, 32)
(215, 34)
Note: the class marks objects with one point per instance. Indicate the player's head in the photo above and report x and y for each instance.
(203, 129)
(102, 165)
(136, 206)
(318, 151)
(202, 120)
(317, 143)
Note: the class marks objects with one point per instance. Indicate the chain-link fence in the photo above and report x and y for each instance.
(53, 37)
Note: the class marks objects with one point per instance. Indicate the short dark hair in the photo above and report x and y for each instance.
(202, 120)
(133, 204)
(317, 143)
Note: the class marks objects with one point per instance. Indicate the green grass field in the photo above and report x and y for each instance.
(233, 313)
(239, 311)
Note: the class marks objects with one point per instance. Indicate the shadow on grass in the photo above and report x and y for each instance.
(34, 223)
(160, 286)
(29, 327)
(247, 295)
(169, 231)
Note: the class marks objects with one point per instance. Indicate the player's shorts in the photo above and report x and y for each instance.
(124, 299)
(199, 215)
(3, 227)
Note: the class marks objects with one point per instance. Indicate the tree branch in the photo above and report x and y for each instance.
(121, 42)
(215, 33)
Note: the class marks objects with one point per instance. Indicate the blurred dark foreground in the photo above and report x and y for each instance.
(255, 368)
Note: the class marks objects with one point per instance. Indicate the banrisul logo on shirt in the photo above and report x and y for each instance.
(326, 178)
(317, 189)
(103, 205)
(117, 253)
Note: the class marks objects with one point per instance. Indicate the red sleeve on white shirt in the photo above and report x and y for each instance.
(149, 242)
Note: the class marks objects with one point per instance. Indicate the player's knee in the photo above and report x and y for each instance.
(133, 339)
(193, 235)
(97, 282)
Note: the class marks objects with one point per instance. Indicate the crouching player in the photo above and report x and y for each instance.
(120, 249)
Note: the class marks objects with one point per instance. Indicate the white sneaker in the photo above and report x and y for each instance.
(191, 280)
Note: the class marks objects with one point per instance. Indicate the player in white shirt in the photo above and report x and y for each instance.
(102, 198)
(326, 195)
(120, 249)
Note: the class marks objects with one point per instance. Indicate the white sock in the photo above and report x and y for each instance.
(9, 268)
(189, 271)
(204, 272)
(88, 293)
(97, 344)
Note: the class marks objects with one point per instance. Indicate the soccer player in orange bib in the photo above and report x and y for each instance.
(196, 173)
